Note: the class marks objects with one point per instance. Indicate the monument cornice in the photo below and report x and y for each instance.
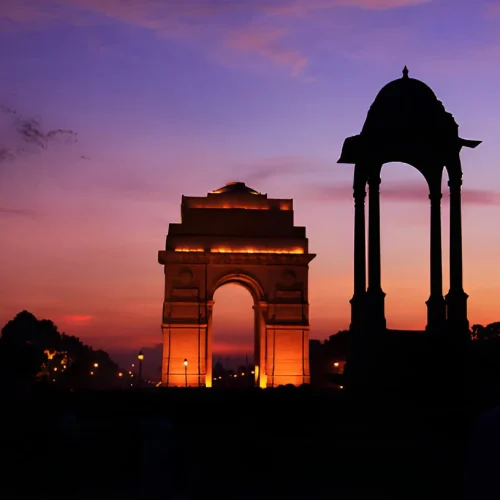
(172, 257)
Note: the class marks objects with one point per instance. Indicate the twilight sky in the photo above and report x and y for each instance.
(151, 99)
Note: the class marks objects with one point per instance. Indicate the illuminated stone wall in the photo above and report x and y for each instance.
(228, 237)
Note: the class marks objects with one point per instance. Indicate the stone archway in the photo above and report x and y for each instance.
(236, 234)
(407, 123)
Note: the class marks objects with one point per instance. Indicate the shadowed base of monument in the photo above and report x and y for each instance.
(407, 364)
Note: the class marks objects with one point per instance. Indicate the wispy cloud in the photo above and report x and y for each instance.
(303, 8)
(259, 31)
(78, 318)
(262, 170)
(264, 42)
(399, 193)
(493, 9)
(17, 212)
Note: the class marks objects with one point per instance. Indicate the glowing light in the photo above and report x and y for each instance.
(140, 356)
(185, 362)
(341, 386)
(242, 374)
(120, 374)
(50, 354)
(253, 372)
(336, 364)
(96, 365)
(295, 250)
(55, 368)
(92, 373)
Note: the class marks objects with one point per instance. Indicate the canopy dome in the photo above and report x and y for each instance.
(406, 90)
(407, 123)
(408, 107)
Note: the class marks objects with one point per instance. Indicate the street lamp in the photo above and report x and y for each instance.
(140, 357)
(96, 365)
(186, 372)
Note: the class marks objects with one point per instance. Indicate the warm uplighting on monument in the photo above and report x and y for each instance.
(245, 250)
(236, 234)
(182, 249)
(258, 250)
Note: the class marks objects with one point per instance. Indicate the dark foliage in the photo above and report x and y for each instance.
(34, 350)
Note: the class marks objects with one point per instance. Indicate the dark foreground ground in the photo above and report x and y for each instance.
(189, 443)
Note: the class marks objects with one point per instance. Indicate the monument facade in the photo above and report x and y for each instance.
(236, 235)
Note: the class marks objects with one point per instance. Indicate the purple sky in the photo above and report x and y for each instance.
(171, 97)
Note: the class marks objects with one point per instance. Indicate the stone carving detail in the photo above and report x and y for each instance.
(185, 277)
(289, 278)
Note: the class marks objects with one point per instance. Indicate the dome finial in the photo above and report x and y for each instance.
(405, 72)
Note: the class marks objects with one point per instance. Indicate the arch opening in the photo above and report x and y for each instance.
(234, 335)
(405, 241)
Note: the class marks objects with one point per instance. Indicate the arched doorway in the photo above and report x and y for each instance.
(236, 235)
(257, 294)
(404, 242)
(233, 337)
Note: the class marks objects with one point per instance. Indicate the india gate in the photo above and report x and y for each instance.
(236, 235)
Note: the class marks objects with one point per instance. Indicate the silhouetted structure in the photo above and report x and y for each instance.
(33, 350)
(327, 360)
(407, 123)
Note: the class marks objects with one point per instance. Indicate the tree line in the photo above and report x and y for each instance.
(33, 350)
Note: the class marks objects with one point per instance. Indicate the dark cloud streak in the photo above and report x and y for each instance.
(30, 133)
(17, 212)
(262, 170)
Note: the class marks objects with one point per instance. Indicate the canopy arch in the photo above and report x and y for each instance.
(407, 123)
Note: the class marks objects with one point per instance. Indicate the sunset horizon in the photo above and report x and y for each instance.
(110, 114)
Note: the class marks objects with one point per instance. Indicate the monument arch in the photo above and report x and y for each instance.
(236, 235)
(407, 123)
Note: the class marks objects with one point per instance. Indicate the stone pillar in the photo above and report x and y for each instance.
(261, 340)
(357, 301)
(374, 296)
(456, 298)
(436, 305)
(208, 349)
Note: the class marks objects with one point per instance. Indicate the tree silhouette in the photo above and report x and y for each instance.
(33, 349)
(488, 332)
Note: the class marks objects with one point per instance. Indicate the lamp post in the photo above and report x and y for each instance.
(186, 372)
(140, 357)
